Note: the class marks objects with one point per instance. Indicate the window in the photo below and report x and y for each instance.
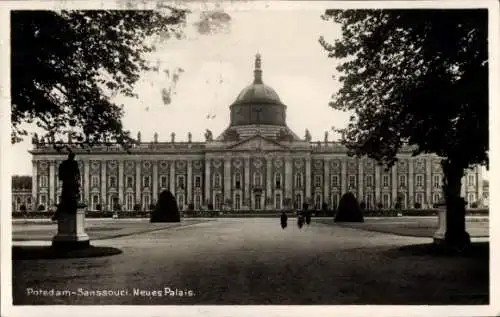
(43, 200)
(257, 201)
(437, 181)
(95, 181)
(472, 198)
(335, 181)
(298, 180)
(420, 180)
(217, 180)
(298, 201)
(130, 202)
(436, 198)
(237, 180)
(146, 181)
(163, 181)
(114, 201)
(218, 202)
(419, 198)
(317, 202)
(43, 181)
(237, 202)
(197, 202)
(369, 201)
(277, 180)
(317, 180)
(180, 201)
(335, 200)
(402, 181)
(385, 180)
(146, 201)
(385, 200)
(369, 180)
(277, 201)
(112, 181)
(29, 201)
(130, 182)
(197, 181)
(471, 180)
(180, 181)
(352, 181)
(95, 202)
(257, 179)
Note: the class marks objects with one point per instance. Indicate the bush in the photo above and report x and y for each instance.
(137, 207)
(98, 207)
(191, 207)
(474, 205)
(210, 207)
(166, 209)
(118, 207)
(397, 205)
(349, 209)
(362, 205)
(324, 207)
(380, 206)
(41, 208)
(22, 208)
(417, 205)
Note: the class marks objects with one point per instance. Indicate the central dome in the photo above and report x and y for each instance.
(258, 104)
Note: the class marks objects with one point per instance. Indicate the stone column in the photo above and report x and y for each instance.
(189, 182)
(326, 181)
(227, 179)
(208, 196)
(104, 197)
(343, 177)
(138, 181)
(247, 180)
(52, 185)
(377, 184)
(269, 166)
(360, 180)
(308, 180)
(479, 183)
(121, 185)
(394, 181)
(464, 185)
(428, 181)
(34, 184)
(288, 177)
(86, 182)
(411, 176)
(171, 175)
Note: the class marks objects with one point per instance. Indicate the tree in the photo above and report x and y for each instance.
(21, 182)
(416, 77)
(66, 67)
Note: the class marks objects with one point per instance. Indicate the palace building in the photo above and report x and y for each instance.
(257, 163)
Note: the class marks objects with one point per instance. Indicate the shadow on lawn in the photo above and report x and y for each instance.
(48, 252)
(477, 250)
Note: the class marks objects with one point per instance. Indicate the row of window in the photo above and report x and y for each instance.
(257, 180)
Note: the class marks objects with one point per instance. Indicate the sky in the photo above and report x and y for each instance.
(218, 66)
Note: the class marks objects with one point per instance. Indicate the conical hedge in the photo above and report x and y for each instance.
(166, 209)
(349, 209)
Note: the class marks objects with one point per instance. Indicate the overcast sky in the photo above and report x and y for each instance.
(217, 67)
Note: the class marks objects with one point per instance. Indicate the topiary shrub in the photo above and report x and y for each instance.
(137, 207)
(98, 207)
(380, 206)
(166, 209)
(417, 205)
(22, 208)
(349, 209)
(41, 208)
(473, 205)
(191, 207)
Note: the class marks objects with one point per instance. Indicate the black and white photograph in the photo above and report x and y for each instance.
(280, 158)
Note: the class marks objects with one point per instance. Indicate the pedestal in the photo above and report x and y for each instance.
(71, 231)
(439, 235)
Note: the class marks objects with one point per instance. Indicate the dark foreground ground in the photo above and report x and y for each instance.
(253, 261)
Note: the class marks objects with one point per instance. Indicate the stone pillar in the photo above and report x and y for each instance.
(428, 181)
(479, 183)
(172, 188)
(138, 181)
(464, 185)
(288, 177)
(189, 182)
(104, 197)
(343, 177)
(360, 180)
(227, 178)
(377, 184)
(86, 182)
(308, 180)
(247, 181)
(326, 181)
(208, 196)
(52, 185)
(269, 177)
(34, 184)
(394, 181)
(411, 176)
(71, 231)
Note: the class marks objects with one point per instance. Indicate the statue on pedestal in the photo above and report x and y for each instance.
(208, 135)
(190, 137)
(308, 135)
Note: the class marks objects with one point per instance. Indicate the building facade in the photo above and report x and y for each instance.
(257, 163)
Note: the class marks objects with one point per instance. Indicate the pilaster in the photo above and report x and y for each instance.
(343, 176)
(104, 199)
(34, 184)
(138, 181)
(52, 185)
(326, 181)
(189, 182)
(428, 181)
(171, 175)
(227, 179)
(86, 181)
(247, 181)
(394, 183)
(360, 180)
(269, 166)
(208, 196)
(377, 185)
(288, 177)
(121, 185)
(411, 188)
(308, 180)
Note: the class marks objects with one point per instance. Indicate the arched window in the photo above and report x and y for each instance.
(180, 201)
(298, 201)
(317, 202)
(197, 202)
(130, 202)
(95, 201)
(237, 201)
(237, 180)
(298, 180)
(146, 201)
(218, 202)
(278, 201)
(277, 180)
(385, 201)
